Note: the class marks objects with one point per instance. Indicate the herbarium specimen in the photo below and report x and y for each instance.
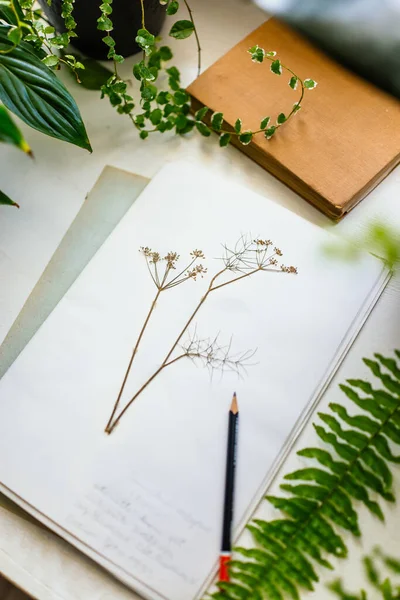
(248, 257)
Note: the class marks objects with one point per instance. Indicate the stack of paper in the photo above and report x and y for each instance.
(146, 501)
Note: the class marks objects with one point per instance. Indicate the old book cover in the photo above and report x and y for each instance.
(336, 149)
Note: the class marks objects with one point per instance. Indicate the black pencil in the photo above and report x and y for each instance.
(226, 546)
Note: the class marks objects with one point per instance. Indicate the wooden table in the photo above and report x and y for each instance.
(51, 191)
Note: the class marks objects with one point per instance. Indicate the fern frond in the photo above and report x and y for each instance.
(321, 500)
(386, 588)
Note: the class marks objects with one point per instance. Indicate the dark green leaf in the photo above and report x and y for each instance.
(33, 92)
(309, 84)
(6, 200)
(201, 113)
(165, 53)
(181, 97)
(203, 129)
(281, 118)
(270, 132)
(156, 116)
(265, 122)
(182, 29)
(217, 120)
(149, 92)
(145, 40)
(224, 139)
(238, 125)
(9, 132)
(172, 7)
(245, 137)
(293, 82)
(276, 67)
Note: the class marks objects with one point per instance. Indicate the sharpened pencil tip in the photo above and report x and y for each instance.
(234, 405)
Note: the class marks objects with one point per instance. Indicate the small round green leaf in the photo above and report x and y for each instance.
(293, 82)
(246, 137)
(203, 129)
(173, 7)
(182, 29)
(165, 53)
(181, 97)
(224, 139)
(156, 116)
(144, 134)
(270, 132)
(310, 84)
(238, 126)
(276, 67)
(281, 118)
(264, 122)
(201, 113)
(216, 121)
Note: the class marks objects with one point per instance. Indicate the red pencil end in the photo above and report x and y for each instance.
(224, 560)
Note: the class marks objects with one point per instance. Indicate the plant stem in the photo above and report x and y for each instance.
(143, 18)
(111, 426)
(135, 349)
(167, 362)
(294, 109)
(196, 36)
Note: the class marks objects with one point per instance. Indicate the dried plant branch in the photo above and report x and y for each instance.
(248, 257)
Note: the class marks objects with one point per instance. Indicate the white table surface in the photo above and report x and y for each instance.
(51, 190)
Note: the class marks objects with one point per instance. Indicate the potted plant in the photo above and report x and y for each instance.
(32, 50)
(127, 20)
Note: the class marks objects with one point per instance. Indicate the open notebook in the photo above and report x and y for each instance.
(146, 501)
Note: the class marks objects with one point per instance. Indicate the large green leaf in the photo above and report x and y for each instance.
(6, 200)
(9, 132)
(33, 92)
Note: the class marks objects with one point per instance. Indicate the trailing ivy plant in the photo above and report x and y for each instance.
(31, 51)
(373, 565)
(170, 109)
(320, 502)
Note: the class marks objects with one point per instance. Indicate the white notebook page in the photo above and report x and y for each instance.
(146, 502)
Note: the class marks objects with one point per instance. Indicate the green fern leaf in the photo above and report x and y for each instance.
(324, 458)
(320, 503)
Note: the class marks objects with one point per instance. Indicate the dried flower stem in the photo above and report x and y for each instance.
(167, 362)
(135, 349)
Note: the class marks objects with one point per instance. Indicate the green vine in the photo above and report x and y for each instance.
(320, 502)
(170, 109)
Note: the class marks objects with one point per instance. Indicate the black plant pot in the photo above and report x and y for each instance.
(126, 17)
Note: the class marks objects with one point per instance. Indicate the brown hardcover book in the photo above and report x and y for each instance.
(336, 149)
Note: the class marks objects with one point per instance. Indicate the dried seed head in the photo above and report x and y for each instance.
(155, 257)
(197, 271)
(278, 252)
(290, 269)
(145, 250)
(171, 258)
(197, 254)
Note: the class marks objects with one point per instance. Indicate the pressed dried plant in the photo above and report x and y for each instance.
(248, 257)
